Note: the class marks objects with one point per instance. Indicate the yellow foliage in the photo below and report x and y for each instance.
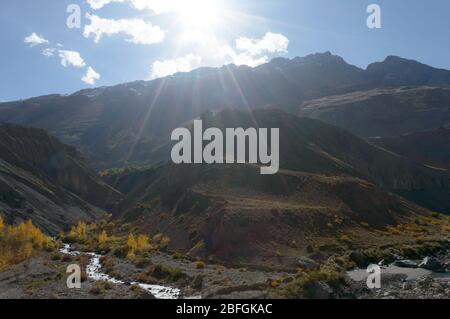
(103, 238)
(2, 224)
(17, 243)
(79, 232)
(131, 243)
(200, 264)
(143, 243)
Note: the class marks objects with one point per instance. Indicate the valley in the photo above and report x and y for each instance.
(363, 177)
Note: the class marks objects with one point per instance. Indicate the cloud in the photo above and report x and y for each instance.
(157, 6)
(170, 67)
(49, 52)
(228, 55)
(270, 43)
(253, 52)
(91, 76)
(71, 58)
(139, 31)
(34, 39)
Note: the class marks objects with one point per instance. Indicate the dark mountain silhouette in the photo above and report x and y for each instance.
(46, 181)
(116, 125)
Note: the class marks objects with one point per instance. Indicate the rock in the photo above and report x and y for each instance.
(144, 295)
(197, 283)
(407, 286)
(433, 264)
(319, 290)
(358, 257)
(406, 263)
(307, 263)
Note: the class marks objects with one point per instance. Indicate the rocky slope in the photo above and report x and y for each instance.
(431, 147)
(388, 112)
(47, 181)
(331, 182)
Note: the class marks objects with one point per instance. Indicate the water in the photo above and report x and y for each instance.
(94, 272)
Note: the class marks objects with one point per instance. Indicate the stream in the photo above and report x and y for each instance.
(94, 272)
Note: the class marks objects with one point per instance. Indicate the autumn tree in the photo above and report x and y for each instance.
(2, 224)
(20, 242)
(131, 245)
(143, 243)
(103, 238)
(79, 232)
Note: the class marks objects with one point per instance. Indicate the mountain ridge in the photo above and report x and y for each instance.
(117, 126)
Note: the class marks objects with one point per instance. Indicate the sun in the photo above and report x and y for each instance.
(198, 15)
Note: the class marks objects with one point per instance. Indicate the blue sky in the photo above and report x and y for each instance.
(144, 39)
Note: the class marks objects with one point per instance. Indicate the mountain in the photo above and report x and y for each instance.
(383, 112)
(396, 71)
(328, 177)
(119, 125)
(430, 147)
(47, 181)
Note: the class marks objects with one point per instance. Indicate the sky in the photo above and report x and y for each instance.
(120, 41)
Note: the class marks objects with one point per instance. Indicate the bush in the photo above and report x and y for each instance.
(161, 272)
(55, 257)
(330, 274)
(344, 238)
(200, 265)
(100, 287)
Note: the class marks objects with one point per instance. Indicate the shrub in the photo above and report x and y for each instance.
(436, 215)
(100, 288)
(162, 273)
(200, 265)
(103, 238)
(55, 257)
(344, 238)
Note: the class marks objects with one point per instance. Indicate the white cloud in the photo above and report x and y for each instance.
(71, 58)
(271, 43)
(91, 76)
(157, 6)
(228, 55)
(34, 39)
(253, 52)
(49, 52)
(170, 67)
(139, 31)
(98, 4)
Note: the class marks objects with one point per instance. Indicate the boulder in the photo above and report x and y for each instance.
(307, 263)
(406, 263)
(319, 290)
(433, 264)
